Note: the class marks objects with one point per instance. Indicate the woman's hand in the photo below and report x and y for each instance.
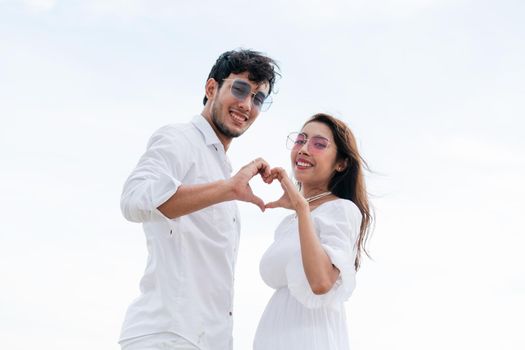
(291, 198)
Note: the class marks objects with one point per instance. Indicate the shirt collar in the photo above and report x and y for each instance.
(210, 137)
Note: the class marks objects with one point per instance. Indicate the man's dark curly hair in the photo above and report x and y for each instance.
(260, 68)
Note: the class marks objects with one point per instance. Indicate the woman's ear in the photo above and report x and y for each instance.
(341, 165)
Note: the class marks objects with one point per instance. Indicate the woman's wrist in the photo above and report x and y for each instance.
(302, 208)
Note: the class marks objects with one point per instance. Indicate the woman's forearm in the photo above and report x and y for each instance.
(320, 272)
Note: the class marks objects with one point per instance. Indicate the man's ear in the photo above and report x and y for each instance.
(211, 88)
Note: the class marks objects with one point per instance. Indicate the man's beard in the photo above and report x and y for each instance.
(221, 126)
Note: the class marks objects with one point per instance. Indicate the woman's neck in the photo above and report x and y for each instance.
(313, 191)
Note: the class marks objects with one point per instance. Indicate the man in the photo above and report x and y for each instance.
(183, 193)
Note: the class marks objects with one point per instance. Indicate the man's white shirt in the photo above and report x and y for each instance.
(187, 287)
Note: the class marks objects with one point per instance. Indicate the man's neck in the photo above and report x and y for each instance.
(225, 140)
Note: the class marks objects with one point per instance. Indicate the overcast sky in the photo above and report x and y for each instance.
(433, 90)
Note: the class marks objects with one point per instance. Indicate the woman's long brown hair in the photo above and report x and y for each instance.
(349, 183)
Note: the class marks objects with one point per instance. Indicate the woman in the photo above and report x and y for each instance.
(316, 252)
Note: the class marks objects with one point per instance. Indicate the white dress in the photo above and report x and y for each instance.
(295, 318)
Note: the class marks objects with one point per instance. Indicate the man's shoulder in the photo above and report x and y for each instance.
(177, 132)
(176, 129)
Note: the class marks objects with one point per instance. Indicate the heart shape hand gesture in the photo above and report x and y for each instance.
(240, 181)
(291, 198)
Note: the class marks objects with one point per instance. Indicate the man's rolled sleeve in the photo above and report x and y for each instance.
(157, 175)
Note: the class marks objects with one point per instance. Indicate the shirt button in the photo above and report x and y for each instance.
(230, 313)
(234, 220)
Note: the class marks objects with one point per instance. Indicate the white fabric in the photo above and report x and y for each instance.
(160, 341)
(295, 317)
(187, 287)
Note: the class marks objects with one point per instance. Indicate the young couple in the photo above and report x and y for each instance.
(183, 193)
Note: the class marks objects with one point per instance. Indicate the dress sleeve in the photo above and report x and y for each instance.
(338, 231)
(157, 175)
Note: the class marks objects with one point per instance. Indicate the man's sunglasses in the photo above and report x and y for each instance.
(316, 144)
(241, 89)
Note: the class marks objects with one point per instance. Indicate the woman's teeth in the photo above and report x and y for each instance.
(303, 164)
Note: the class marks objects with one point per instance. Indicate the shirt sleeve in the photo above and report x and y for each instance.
(338, 231)
(157, 175)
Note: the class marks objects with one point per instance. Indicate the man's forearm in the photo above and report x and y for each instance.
(190, 198)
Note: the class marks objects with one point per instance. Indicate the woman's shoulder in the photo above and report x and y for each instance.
(339, 216)
(338, 207)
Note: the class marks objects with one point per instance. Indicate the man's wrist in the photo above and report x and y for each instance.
(229, 188)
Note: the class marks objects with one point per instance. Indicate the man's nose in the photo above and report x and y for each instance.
(246, 103)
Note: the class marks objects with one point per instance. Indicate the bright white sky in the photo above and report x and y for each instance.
(433, 89)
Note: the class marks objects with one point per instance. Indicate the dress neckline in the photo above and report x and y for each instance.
(294, 216)
(320, 205)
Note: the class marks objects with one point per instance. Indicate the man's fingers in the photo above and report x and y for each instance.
(263, 167)
(268, 178)
(259, 166)
(258, 202)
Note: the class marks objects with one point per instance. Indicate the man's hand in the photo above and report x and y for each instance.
(240, 181)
